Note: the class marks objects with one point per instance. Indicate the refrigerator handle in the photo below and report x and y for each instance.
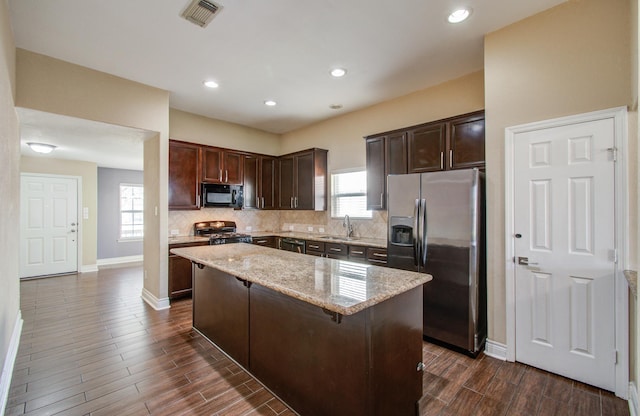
(416, 224)
(423, 204)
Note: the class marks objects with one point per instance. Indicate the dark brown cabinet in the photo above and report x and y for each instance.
(377, 256)
(180, 283)
(259, 182)
(386, 155)
(222, 166)
(376, 176)
(466, 142)
(427, 147)
(184, 175)
(268, 241)
(453, 143)
(221, 311)
(302, 182)
(337, 251)
(314, 248)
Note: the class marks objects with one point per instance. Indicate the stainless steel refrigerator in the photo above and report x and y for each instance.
(437, 226)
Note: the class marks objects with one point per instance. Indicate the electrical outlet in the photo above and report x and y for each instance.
(310, 229)
(175, 232)
(248, 228)
(291, 228)
(321, 229)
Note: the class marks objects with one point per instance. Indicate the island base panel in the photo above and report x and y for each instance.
(365, 364)
(221, 311)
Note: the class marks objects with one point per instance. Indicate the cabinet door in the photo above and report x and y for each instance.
(427, 148)
(179, 276)
(267, 186)
(269, 241)
(285, 182)
(251, 184)
(212, 165)
(304, 186)
(184, 176)
(375, 148)
(466, 142)
(396, 154)
(232, 167)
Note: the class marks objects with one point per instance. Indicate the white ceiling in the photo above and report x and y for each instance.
(277, 49)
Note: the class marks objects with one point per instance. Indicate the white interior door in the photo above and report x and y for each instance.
(48, 225)
(564, 223)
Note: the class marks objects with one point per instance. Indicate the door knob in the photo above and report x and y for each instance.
(524, 261)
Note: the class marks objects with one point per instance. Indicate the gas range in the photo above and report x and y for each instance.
(220, 232)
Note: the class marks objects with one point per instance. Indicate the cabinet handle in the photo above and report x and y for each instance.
(379, 255)
(257, 202)
(261, 241)
(220, 175)
(197, 200)
(357, 252)
(441, 160)
(312, 246)
(335, 249)
(262, 202)
(296, 199)
(291, 202)
(381, 199)
(450, 158)
(226, 175)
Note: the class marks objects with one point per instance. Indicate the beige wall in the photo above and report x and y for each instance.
(343, 136)
(198, 129)
(9, 203)
(59, 87)
(571, 59)
(89, 173)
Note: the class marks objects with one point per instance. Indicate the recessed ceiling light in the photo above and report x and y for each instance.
(459, 15)
(338, 72)
(41, 147)
(270, 103)
(210, 84)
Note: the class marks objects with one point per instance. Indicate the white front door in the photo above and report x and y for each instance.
(48, 225)
(564, 228)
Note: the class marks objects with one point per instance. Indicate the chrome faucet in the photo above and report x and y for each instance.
(347, 224)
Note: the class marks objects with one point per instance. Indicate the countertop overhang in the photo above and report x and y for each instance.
(338, 286)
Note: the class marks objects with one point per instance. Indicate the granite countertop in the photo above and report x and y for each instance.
(632, 279)
(185, 239)
(339, 286)
(357, 241)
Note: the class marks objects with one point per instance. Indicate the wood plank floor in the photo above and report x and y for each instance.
(91, 346)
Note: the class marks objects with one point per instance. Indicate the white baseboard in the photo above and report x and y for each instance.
(633, 399)
(9, 361)
(154, 302)
(496, 350)
(113, 261)
(88, 268)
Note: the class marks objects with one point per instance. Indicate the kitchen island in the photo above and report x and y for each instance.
(329, 337)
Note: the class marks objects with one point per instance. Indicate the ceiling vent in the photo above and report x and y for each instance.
(200, 12)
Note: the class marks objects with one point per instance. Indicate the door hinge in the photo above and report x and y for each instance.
(615, 356)
(614, 153)
(613, 255)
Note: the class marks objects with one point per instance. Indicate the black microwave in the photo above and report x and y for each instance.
(218, 195)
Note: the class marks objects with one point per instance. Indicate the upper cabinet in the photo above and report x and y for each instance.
(302, 180)
(184, 175)
(259, 181)
(222, 166)
(294, 181)
(453, 143)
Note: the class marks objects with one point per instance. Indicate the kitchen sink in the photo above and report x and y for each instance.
(332, 237)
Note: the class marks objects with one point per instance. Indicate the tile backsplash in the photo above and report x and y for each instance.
(301, 221)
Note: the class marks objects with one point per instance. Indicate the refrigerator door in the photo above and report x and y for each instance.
(403, 250)
(451, 223)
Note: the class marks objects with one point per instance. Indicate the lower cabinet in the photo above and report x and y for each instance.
(377, 256)
(180, 272)
(314, 248)
(337, 251)
(268, 241)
